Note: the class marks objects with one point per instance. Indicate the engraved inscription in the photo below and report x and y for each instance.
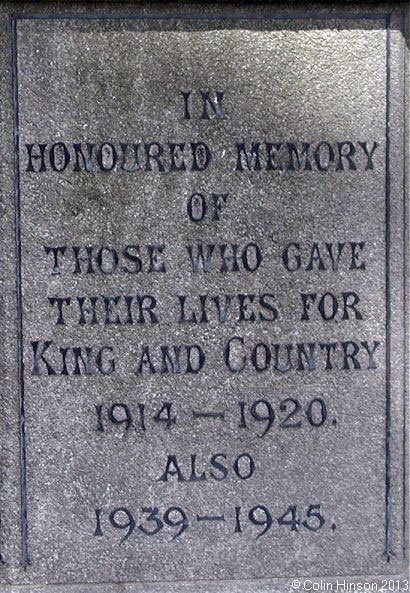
(205, 336)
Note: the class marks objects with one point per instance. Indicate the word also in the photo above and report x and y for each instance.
(243, 467)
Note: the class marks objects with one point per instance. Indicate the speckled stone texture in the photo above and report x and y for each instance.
(203, 312)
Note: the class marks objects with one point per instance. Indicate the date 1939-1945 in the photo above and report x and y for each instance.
(153, 520)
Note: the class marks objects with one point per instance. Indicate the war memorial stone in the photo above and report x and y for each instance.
(203, 297)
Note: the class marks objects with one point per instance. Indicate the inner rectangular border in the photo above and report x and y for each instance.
(386, 17)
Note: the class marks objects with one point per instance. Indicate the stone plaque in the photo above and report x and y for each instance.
(203, 270)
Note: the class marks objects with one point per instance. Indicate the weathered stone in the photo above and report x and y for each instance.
(203, 310)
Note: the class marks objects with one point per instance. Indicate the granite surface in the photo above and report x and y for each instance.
(203, 278)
